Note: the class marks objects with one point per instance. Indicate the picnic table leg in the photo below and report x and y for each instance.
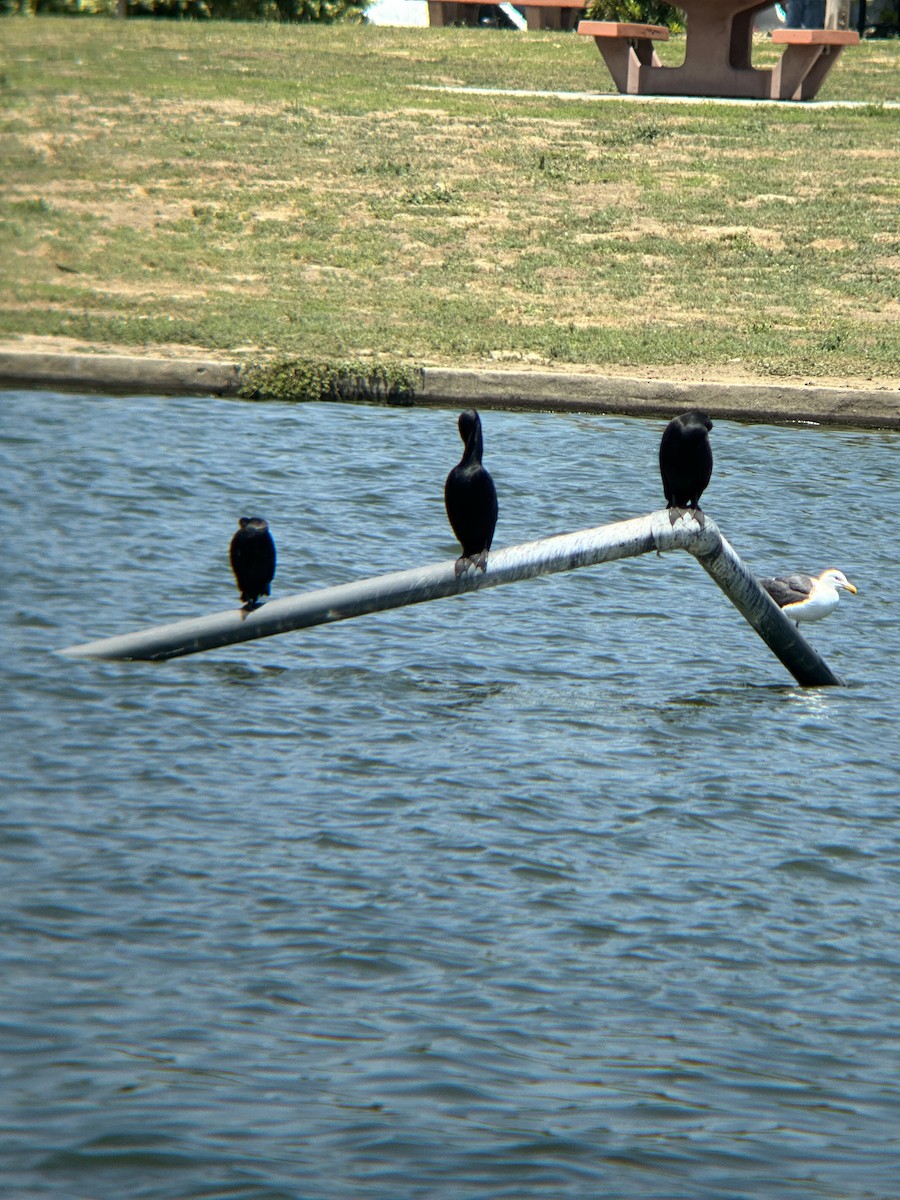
(802, 70)
(741, 50)
(569, 17)
(448, 12)
(645, 52)
(624, 59)
(717, 55)
(703, 55)
(538, 17)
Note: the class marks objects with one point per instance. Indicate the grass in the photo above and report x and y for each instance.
(282, 192)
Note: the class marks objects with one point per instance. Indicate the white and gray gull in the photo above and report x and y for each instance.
(808, 597)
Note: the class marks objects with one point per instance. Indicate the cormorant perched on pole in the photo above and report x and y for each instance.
(253, 559)
(686, 461)
(471, 498)
(808, 597)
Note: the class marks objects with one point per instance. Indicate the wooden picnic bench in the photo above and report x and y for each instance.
(539, 14)
(717, 55)
(626, 47)
(809, 55)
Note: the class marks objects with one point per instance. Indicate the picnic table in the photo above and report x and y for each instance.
(717, 59)
(539, 14)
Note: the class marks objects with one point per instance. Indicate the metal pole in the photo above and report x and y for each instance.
(837, 14)
(779, 633)
(564, 552)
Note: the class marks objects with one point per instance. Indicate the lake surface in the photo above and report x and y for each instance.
(557, 890)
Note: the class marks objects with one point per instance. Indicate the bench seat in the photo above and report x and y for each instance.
(816, 37)
(809, 54)
(622, 29)
(626, 47)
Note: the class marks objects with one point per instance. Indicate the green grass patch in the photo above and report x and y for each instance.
(297, 380)
(308, 194)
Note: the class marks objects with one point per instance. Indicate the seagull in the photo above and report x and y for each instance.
(808, 597)
(252, 554)
(471, 498)
(685, 461)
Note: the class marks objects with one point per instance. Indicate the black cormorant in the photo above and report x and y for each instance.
(685, 460)
(253, 559)
(471, 498)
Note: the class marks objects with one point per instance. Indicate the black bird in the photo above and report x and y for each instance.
(253, 559)
(471, 498)
(685, 460)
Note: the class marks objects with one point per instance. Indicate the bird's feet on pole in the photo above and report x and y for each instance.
(676, 513)
(475, 561)
(249, 607)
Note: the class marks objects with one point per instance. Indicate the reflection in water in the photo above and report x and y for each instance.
(559, 890)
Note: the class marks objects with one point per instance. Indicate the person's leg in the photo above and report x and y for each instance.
(814, 14)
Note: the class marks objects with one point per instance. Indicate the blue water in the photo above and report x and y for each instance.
(561, 889)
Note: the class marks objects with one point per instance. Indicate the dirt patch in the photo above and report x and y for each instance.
(65, 345)
(831, 244)
(767, 239)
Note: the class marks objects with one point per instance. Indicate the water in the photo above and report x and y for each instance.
(559, 890)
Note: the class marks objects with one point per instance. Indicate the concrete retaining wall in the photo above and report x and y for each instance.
(531, 390)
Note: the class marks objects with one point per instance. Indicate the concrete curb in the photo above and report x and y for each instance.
(771, 403)
(117, 373)
(530, 390)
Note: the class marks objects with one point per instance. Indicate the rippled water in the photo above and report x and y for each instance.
(558, 890)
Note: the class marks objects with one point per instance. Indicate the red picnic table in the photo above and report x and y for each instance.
(717, 59)
(539, 14)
